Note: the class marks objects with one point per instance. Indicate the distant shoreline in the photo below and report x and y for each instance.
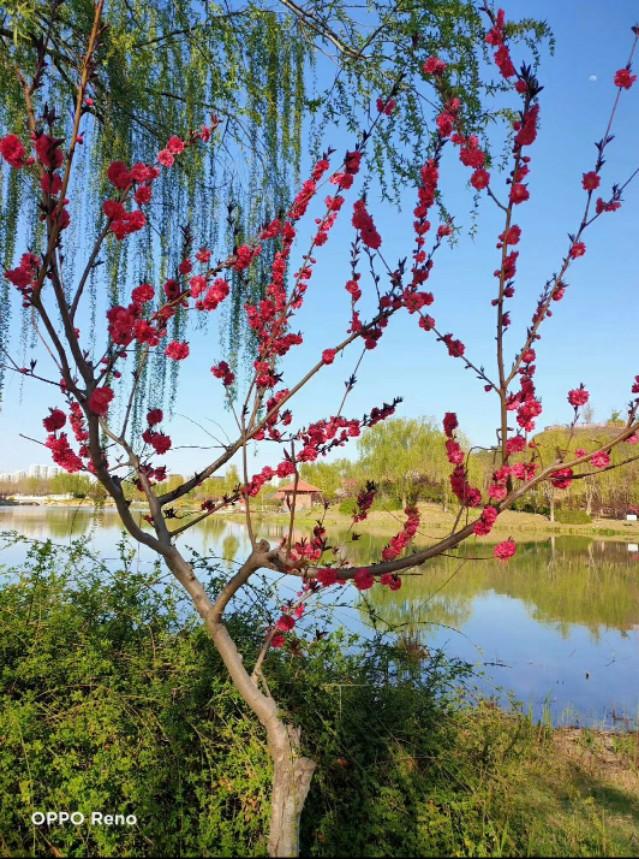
(435, 523)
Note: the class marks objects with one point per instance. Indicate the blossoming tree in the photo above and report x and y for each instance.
(85, 381)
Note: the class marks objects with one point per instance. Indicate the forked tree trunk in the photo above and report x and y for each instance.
(292, 776)
(292, 773)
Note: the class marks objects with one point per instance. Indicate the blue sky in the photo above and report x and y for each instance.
(591, 338)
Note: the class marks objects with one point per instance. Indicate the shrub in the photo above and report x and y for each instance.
(111, 701)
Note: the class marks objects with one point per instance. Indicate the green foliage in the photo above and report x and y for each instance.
(401, 454)
(110, 699)
(329, 477)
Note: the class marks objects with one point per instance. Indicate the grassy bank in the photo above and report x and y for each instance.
(435, 523)
(110, 700)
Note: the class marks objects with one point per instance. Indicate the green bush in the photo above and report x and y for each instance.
(110, 700)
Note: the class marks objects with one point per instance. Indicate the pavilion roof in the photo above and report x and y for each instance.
(302, 486)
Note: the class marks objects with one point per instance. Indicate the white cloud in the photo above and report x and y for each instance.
(592, 78)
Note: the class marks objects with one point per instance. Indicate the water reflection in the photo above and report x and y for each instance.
(558, 625)
(566, 581)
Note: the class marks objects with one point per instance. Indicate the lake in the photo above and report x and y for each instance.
(557, 627)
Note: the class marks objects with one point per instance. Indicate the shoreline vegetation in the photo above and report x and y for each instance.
(110, 699)
(435, 523)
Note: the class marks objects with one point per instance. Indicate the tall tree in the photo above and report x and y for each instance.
(401, 452)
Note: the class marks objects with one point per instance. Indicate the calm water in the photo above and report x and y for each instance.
(557, 627)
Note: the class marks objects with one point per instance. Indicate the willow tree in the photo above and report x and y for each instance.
(273, 74)
(403, 452)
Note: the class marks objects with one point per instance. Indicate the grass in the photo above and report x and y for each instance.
(534, 791)
(435, 523)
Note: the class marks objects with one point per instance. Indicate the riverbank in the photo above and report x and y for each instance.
(435, 524)
(539, 791)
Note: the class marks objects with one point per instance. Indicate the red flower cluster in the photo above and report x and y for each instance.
(450, 423)
(222, 371)
(24, 276)
(123, 222)
(447, 119)
(48, 151)
(434, 66)
(601, 459)
(128, 323)
(363, 222)
(562, 478)
(578, 396)
(624, 79)
(13, 151)
(525, 401)
(590, 181)
(99, 400)
(524, 470)
(364, 501)
(456, 348)
(63, 454)
(526, 128)
(55, 420)
(328, 576)
(391, 581)
(386, 107)
(496, 37)
(484, 525)
(158, 440)
(468, 495)
(505, 550)
(215, 294)
(175, 146)
(285, 623)
(602, 206)
(401, 540)
(363, 579)
(516, 443)
(519, 193)
(177, 351)
(480, 179)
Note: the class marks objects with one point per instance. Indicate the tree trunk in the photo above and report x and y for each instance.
(551, 502)
(292, 776)
(292, 773)
(589, 496)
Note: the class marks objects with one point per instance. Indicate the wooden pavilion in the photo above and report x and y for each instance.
(307, 495)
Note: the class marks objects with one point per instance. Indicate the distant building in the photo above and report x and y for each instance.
(307, 495)
(34, 471)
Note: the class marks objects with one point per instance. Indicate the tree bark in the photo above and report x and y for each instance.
(292, 773)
